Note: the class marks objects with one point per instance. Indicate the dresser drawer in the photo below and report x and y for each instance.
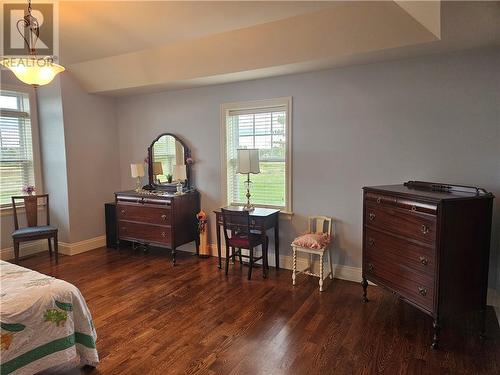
(415, 206)
(145, 214)
(409, 224)
(412, 285)
(145, 232)
(421, 259)
(381, 199)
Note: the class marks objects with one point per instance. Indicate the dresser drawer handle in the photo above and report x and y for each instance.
(164, 217)
(425, 229)
(413, 208)
(379, 200)
(370, 267)
(422, 291)
(423, 260)
(123, 212)
(371, 216)
(163, 234)
(124, 229)
(371, 241)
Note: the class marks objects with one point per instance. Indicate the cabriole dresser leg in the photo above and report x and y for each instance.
(364, 284)
(173, 256)
(435, 337)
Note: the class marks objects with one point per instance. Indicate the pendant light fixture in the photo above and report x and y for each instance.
(32, 70)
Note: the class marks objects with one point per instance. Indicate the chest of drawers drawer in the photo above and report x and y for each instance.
(421, 259)
(414, 286)
(413, 225)
(145, 232)
(145, 214)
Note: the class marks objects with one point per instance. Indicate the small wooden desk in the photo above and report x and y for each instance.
(261, 219)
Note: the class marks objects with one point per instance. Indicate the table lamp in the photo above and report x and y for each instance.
(248, 162)
(180, 176)
(157, 170)
(137, 171)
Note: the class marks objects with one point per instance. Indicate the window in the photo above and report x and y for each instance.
(17, 162)
(264, 125)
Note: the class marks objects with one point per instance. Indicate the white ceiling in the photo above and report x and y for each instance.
(96, 29)
(124, 47)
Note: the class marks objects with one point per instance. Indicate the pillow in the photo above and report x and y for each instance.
(312, 240)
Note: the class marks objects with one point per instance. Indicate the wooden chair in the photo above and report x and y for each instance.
(33, 231)
(316, 224)
(239, 235)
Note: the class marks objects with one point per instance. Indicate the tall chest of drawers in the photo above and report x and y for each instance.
(429, 243)
(163, 220)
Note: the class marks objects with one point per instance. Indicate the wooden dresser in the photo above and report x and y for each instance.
(429, 243)
(159, 219)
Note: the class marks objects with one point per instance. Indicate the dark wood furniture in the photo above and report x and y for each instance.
(110, 221)
(261, 220)
(33, 231)
(159, 219)
(238, 235)
(429, 243)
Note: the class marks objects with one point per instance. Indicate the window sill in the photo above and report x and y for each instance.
(285, 215)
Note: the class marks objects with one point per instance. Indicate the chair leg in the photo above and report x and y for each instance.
(294, 267)
(227, 259)
(16, 251)
(50, 246)
(250, 265)
(241, 259)
(265, 261)
(331, 263)
(321, 273)
(56, 248)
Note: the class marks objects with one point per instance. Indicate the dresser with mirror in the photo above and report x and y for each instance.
(163, 212)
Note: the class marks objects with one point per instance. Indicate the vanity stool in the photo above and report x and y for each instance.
(315, 242)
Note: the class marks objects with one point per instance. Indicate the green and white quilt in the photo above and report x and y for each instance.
(45, 322)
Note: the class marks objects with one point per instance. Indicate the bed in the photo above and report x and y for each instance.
(45, 322)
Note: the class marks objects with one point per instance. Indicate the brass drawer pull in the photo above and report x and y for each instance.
(423, 260)
(422, 291)
(123, 212)
(379, 200)
(413, 208)
(371, 216)
(370, 267)
(164, 217)
(163, 234)
(425, 229)
(371, 241)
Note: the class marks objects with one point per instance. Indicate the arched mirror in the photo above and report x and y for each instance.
(168, 165)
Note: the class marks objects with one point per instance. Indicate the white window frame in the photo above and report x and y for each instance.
(259, 104)
(35, 139)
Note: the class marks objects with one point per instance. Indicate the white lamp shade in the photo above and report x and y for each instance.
(248, 161)
(180, 172)
(137, 170)
(157, 168)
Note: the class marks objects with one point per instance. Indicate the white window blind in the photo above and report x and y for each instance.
(16, 146)
(266, 130)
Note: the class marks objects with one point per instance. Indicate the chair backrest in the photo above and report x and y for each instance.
(30, 203)
(235, 222)
(320, 224)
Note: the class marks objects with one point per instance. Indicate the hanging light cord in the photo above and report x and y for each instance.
(30, 23)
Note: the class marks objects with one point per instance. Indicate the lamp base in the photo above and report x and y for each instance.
(249, 207)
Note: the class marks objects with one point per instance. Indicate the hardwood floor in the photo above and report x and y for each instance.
(152, 318)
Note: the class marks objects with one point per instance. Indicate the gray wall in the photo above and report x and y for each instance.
(428, 118)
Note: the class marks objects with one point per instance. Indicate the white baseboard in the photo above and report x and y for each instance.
(33, 247)
(82, 246)
(26, 248)
(341, 272)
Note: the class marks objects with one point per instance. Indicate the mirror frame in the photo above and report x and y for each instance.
(187, 154)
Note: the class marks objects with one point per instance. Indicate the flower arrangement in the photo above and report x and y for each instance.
(202, 221)
(29, 189)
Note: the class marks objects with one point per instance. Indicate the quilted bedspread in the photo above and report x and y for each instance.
(45, 322)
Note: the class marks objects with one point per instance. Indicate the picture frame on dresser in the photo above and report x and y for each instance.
(429, 243)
